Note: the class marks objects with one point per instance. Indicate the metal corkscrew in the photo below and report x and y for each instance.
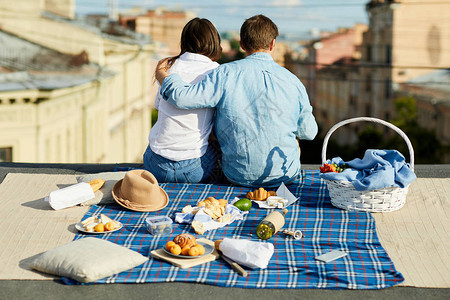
(297, 234)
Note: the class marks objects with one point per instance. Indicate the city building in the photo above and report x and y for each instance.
(69, 91)
(162, 25)
(329, 72)
(431, 93)
(406, 39)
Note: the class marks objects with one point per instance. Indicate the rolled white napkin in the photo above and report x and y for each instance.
(247, 253)
(70, 196)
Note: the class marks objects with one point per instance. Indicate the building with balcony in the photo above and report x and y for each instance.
(71, 92)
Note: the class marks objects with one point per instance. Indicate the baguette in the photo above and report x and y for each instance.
(96, 184)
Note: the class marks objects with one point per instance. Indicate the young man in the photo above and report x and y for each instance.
(261, 108)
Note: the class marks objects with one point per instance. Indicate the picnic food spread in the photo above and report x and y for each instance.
(138, 191)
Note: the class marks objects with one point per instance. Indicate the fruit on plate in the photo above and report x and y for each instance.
(99, 227)
(201, 249)
(110, 226)
(96, 184)
(101, 223)
(185, 244)
(243, 204)
(194, 251)
(185, 250)
(175, 249)
(169, 244)
(260, 194)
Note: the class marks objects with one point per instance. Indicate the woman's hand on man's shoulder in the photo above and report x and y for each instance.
(161, 70)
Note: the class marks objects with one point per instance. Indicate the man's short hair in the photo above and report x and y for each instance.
(257, 32)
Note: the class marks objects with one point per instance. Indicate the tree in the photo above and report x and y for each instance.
(426, 145)
(406, 112)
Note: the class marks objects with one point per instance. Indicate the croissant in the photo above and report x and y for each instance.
(185, 239)
(260, 194)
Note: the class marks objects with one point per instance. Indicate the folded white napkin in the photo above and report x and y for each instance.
(247, 253)
(70, 196)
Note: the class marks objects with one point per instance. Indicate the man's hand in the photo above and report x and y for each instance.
(161, 70)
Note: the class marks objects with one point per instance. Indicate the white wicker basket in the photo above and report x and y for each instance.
(343, 194)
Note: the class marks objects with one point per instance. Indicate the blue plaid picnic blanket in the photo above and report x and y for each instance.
(325, 228)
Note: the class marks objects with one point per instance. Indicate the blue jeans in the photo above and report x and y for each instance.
(189, 171)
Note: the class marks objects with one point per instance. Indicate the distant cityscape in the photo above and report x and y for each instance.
(81, 90)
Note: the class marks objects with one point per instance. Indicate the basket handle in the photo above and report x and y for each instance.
(374, 120)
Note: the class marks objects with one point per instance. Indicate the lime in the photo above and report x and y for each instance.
(243, 204)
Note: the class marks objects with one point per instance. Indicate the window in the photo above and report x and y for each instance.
(6, 154)
(368, 110)
(388, 54)
(368, 83)
(352, 100)
(369, 53)
(387, 89)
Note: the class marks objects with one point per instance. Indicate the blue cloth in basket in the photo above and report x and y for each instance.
(325, 228)
(378, 169)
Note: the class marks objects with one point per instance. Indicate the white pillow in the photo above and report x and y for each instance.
(87, 260)
(103, 195)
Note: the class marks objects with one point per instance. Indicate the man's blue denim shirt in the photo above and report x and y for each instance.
(261, 108)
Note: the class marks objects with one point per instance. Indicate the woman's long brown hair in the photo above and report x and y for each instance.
(201, 37)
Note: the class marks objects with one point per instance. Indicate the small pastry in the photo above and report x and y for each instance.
(260, 194)
(185, 239)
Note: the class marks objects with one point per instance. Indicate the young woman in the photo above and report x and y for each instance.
(178, 148)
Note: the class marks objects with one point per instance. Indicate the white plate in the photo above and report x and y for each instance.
(208, 250)
(80, 227)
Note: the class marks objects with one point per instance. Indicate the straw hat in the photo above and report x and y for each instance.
(139, 191)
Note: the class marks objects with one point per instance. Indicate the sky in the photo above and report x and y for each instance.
(291, 16)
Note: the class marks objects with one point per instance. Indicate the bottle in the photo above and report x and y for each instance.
(271, 224)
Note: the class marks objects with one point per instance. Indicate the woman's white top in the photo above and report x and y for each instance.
(181, 134)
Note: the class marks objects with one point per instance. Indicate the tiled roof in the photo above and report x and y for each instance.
(26, 65)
